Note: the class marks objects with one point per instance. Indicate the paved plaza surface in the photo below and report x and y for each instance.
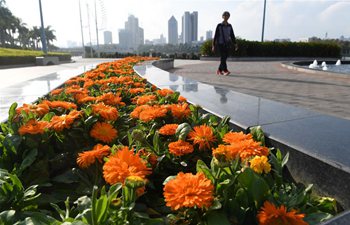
(325, 93)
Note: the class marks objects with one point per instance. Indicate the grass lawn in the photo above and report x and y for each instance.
(19, 52)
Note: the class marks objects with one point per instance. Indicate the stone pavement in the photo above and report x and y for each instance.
(325, 93)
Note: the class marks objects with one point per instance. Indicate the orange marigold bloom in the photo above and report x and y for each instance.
(234, 137)
(136, 90)
(152, 113)
(168, 129)
(164, 92)
(58, 123)
(39, 109)
(105, 111)
(56, 91)
(181, 99)
(229, 152)
(60, 104)
(104, 132)
(188, 191)
(180, 148)
(111, 99)
(87, 158)
(145, 99)
(251, 148)
(83, 98)
(124, 164)
(272, 215)
(136, 112)
(33, 127)
(180, 111)
(203, 136)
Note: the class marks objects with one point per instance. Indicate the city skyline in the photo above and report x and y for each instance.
(294, 19)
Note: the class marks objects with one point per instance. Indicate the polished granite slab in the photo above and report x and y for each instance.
(30, 90)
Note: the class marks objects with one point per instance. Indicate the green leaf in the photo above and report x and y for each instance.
(255, 185)
(7, 217)
(316, 218)
(285, 159)
(217, 217)
(183, 130)
(12, 111)
(12, 142)
(169, 178)
(101, 209)
(258, 134)
(202, 167)
(61, 212)
(29, 156)
(216, 205)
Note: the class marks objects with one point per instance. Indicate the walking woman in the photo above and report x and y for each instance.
(223, 41)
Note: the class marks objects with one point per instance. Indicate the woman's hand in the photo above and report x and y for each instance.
(213, 48)
(236, 47)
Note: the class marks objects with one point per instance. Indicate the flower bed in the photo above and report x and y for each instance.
(110, 148)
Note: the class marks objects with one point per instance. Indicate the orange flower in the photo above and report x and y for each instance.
(189, 191)
(58, 123)
(152, 113)
(145, 99)
(56, 91)
(272, 215)
(87, 158)
(124, 164)
(203, 136)
(180, 148)
(168, 129)
(103, 132)
(229, 152)
(39, 109)
(180, 111)
(111, 99)
(181, 99)
(251, 148)
(233, 137)
(83, 98)
(164, 92)
(33, 127)
(136, 90)
(105, 111)
(60, 104)
(136, 112)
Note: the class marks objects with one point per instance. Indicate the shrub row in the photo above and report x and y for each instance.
(278, 49)
(16, 60)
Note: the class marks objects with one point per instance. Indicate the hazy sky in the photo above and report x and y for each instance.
(293, 19)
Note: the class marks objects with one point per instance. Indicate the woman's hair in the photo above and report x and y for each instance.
(226, 13)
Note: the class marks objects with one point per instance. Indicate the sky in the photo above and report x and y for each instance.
(294, 19)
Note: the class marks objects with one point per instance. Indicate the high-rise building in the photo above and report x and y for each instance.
(107, 36)
(132, 36)
(209, 35)
(172, 31)
(189, 27)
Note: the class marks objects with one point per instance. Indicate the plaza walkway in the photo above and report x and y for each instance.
(325, 93)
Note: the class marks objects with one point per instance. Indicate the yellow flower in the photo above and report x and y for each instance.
(260, 164)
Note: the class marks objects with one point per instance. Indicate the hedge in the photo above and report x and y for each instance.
(16, 56)
(278, 49)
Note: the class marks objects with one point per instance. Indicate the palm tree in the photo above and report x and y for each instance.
(34, 36)
(50, 36)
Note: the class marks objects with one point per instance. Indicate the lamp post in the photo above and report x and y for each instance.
(82, 32)
(263, 25)
(43, 36)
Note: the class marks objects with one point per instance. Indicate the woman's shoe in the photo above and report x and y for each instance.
(226, 72)
(219, 72)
